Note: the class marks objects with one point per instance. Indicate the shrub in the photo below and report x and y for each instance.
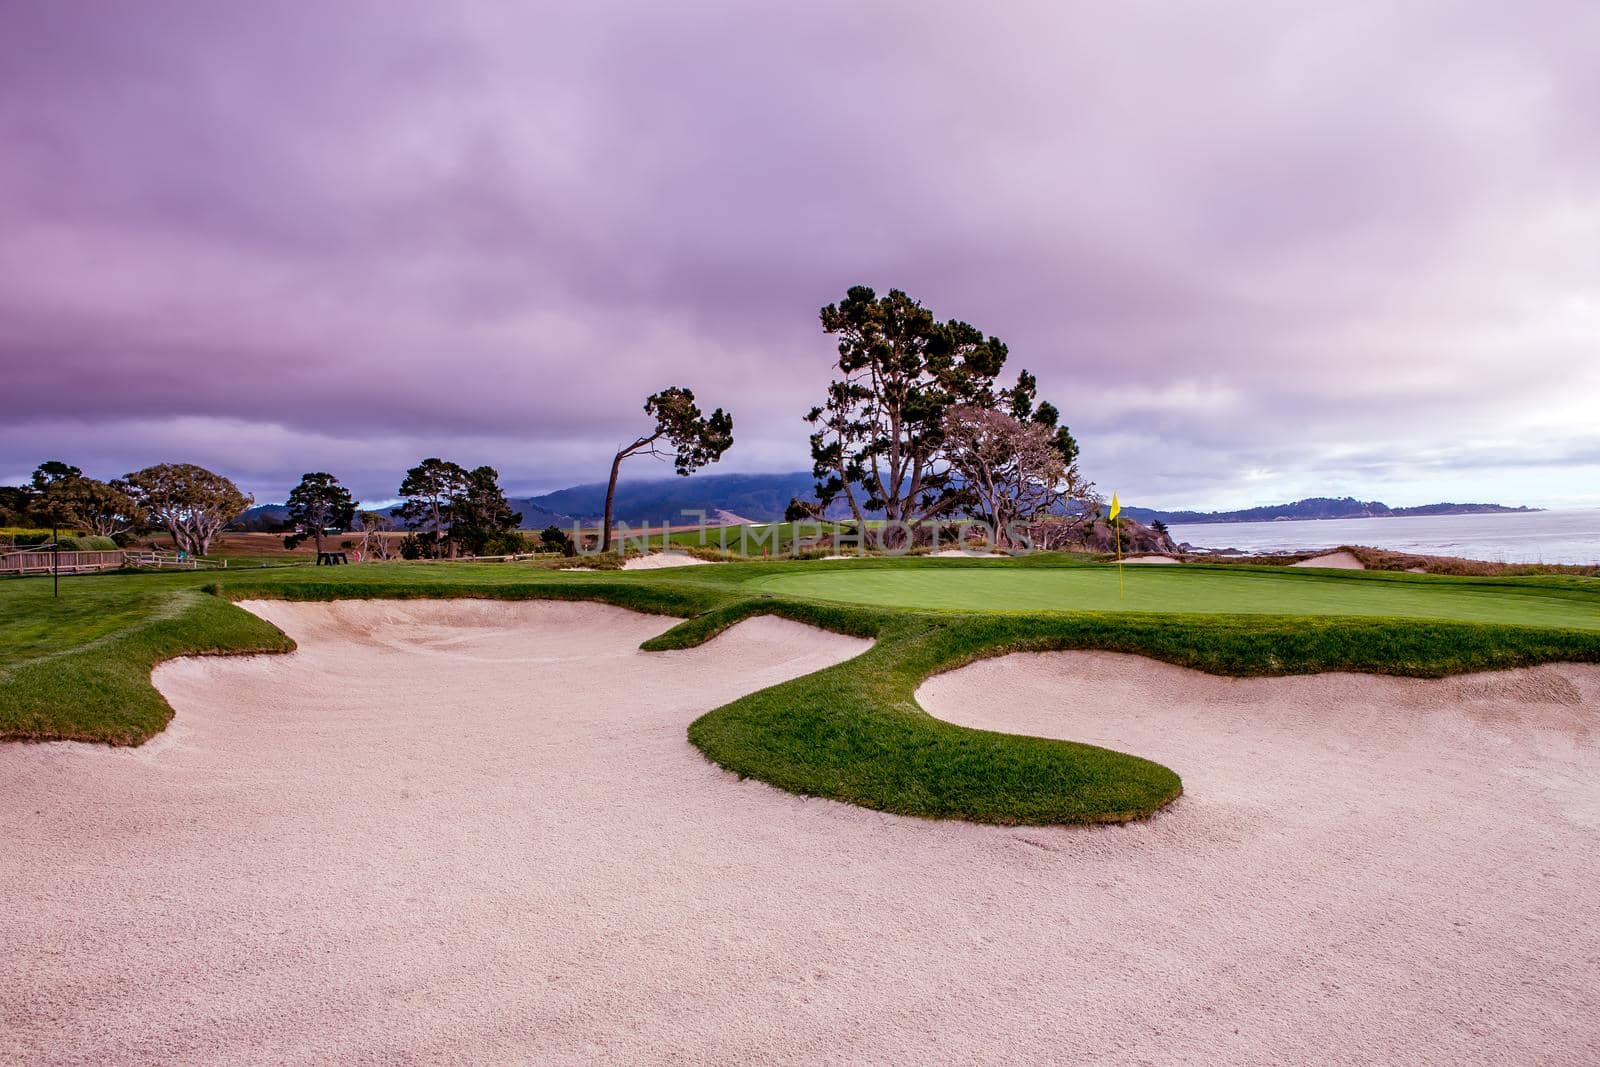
(86, 544)
(555, 539)
(505, 543)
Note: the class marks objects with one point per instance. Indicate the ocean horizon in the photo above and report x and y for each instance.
(1569, 536)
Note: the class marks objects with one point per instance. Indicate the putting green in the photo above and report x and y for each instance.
(1210, 591)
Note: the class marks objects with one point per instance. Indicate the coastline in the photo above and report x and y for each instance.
(1567, 536)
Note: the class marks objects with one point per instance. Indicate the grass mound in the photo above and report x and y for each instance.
(855, 733)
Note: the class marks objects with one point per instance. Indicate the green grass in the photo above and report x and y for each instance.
(79, 668)
(854, 732)
(980, 586)
(776, 537)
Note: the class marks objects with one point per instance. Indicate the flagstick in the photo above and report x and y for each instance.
(1118, 527)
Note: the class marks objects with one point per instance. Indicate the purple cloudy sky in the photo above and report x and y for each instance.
(1253, 250)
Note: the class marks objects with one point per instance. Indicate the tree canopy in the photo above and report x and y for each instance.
(878, 438)
(450, 508)
(192, 503)
(318, 504)
(1010, 470)
(430, 490)
(52, 471)
(103, 509)
(483, 522)
(14, 502)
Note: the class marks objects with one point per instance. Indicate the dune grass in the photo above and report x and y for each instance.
(79, 668)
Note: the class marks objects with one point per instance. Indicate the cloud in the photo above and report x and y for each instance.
(1249, 250)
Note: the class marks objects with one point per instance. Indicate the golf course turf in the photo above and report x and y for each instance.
(985, 586)
(79, 668)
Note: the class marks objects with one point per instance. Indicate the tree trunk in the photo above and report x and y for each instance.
(611, 492)
(855, 507)
(849, 492)
(203, 533)
(183, 538)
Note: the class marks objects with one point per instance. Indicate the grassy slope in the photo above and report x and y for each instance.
(776, 537)
(79, 668)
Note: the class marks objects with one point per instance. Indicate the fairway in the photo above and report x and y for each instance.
(1184, 590)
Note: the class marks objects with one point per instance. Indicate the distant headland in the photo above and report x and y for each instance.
(1318, 507)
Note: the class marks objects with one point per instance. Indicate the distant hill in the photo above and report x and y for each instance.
(753, 497)
(736, 498)
(727, 498)
(1316, 507)
(264, 517)
(534, 515)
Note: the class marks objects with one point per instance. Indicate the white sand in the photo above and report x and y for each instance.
(1362, 869)
(657, 560)
(1343, 561)
(969, 553)
(474, 832)
(1150, 559)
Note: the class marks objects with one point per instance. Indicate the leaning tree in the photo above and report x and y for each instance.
(681, 432)
(318, 504)
(194, 504)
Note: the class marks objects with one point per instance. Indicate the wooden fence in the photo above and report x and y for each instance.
(171, 559)
(36, 561)
(43, 561)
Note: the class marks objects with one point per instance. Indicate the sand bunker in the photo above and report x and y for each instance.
(1361, 869)
(1150, 559)
(474, 831)
(657, 560)
(1343, 561)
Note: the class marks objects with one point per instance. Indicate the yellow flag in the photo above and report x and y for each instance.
(1116, 508)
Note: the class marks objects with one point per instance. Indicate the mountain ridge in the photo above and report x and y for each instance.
(763, 498)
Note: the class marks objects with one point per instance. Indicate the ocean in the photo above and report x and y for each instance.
(1515, 537)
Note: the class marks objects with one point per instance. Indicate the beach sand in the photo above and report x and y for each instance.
(474, 831)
